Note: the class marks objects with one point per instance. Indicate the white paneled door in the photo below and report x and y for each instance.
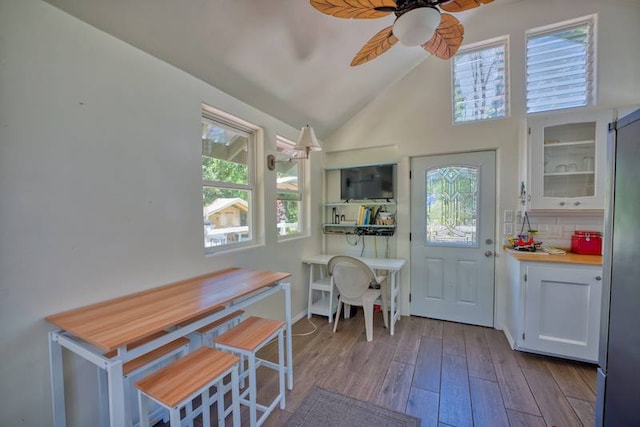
(452, 237)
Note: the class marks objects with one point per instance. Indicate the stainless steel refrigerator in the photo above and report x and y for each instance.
(618, 394)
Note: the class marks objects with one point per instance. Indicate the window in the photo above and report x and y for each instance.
(560, 65)
(228, 181)
(452, 206)
(290, 186)
(480, 81)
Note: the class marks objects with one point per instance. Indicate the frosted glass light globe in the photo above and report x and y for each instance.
(417, 26)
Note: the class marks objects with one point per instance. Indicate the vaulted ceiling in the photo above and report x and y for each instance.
(280, 56)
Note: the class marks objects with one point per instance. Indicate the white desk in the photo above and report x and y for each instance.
(392, 266)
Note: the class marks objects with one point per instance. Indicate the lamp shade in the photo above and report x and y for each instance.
(417, 26)
(307, 141)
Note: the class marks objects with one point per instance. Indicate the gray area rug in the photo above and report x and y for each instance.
(324, 408)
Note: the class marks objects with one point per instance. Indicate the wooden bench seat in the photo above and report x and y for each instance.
(152, 356)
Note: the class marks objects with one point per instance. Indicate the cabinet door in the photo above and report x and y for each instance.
(562, 310)
(567, 160)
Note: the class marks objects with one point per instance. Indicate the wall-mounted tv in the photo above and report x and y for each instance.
(367, 182)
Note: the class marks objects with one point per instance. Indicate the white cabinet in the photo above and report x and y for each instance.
(567, 160)
(554, 308)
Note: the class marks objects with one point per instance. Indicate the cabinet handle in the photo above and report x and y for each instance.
(598, 278)
(576, 203)
(562, 203)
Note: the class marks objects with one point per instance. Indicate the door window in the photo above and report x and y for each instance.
(451, 206)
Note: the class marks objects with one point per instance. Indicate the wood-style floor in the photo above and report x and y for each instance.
(446, 374)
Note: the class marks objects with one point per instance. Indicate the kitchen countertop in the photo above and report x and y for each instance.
(568, 258)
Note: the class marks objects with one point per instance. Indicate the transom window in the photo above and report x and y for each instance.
(228, 181)
(480, 90)
(290, 187)
(560, 65)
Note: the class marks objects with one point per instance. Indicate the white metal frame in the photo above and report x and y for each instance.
(130, 405)
(114, 366)
(250, 395)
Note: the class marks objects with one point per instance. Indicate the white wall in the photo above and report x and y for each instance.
(101, 192)
(415, 113)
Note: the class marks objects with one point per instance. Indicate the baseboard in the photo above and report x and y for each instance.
(510, 339)
(299, 316)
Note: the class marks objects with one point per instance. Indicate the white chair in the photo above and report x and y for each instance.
(358, 285)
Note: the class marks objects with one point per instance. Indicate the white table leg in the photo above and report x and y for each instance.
(311, 266)
(394, 302)
(116, 394)
(103, 393)
(287, 313)
(385, 293)
(57, 381)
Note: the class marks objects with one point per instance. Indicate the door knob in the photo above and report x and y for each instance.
(488, 241)
(488, 254)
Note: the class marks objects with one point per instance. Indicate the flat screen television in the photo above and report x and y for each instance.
(367, 182)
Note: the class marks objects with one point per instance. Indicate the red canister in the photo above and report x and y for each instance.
(586, 242)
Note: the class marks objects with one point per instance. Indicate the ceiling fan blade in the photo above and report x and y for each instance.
(356, 9)
(447, 38)
(376, 46)
(460, 5)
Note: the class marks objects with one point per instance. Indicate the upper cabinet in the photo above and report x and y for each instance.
(567, 160)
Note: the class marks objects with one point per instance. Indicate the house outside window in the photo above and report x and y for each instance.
(228, 181)
(480, 81)
(290, 190)
(561, 65)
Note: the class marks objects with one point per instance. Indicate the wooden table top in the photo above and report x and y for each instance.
(123, 320)
(568, 258)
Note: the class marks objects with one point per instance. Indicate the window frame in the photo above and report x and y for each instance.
(592, 83)
(253, 133)
(478, 46)
(282, 143)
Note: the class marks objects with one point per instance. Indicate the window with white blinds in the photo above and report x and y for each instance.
(560, 65)
(479, 79)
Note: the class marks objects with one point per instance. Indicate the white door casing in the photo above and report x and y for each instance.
(452, 237)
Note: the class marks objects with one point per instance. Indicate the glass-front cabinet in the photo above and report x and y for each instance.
(568, 160)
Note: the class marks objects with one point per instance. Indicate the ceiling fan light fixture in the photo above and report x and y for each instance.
(416, 27)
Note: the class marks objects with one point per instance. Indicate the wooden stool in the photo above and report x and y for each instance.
(246, 339)
(180, 382)
(213, 329)
(138, 365)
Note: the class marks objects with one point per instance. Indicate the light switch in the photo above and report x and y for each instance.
(508, 216)
(508, 229)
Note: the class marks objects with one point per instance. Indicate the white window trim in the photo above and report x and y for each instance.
(484, 44)
(594, 46)
(256, 173)
(303, 226)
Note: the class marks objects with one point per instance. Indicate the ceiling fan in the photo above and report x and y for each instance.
(417, 23)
